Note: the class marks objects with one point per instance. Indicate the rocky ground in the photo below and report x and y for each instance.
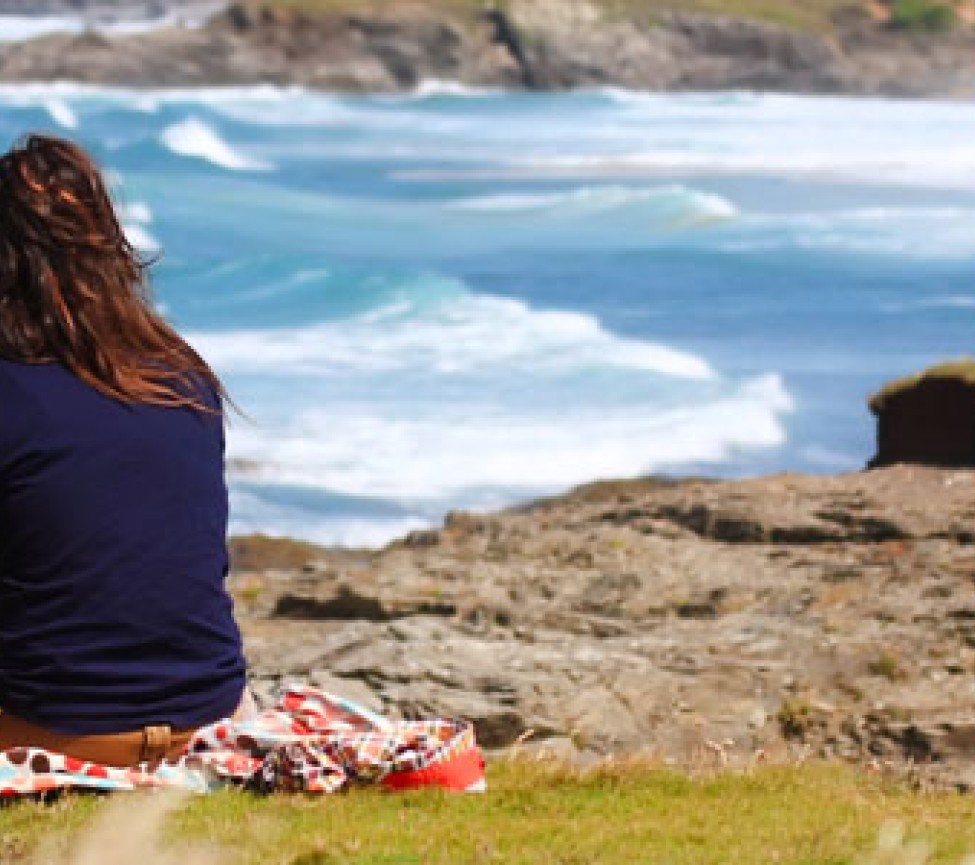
(392, 46)
(780, 617)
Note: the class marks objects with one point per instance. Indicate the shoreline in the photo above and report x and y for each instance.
(392, 49)
(434, 88)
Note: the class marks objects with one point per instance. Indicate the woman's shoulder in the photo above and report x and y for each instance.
(35, 382)
(19, 379)
(21, 390)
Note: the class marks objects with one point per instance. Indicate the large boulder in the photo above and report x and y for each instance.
(927, 418)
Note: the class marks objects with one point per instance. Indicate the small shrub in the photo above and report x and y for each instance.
(927, 16)
(250, 594)
(795, 718)
(887, 666)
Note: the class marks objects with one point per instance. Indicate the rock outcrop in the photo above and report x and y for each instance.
(699, 621)
(521, 44)
(928, 418)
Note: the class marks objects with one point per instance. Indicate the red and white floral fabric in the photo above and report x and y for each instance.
(311, 741)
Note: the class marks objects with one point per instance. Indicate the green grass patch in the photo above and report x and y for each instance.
(811, 815)
(927, 16)
(809, 15)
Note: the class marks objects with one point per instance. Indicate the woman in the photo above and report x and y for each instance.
(117, 636)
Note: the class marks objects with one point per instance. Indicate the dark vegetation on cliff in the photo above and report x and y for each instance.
(928, 417)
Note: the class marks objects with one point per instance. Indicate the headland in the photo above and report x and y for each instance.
(854, 48)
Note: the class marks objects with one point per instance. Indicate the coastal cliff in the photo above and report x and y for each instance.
(772, 618)
(532, 44)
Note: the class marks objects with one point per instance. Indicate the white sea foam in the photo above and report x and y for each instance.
(61, 113)
(141, 239)
(630, 136)
(136, 216)
(262, 104)
(684, 207)
(658, 101)
(189, 20)
(937, 233)
(953, 302)
(137, 211)
(39, 90)
(432, 87)
(917, 304)
(948, 167)
(250, 511)
(195, 138)
(18, 28)
(465, 333)
(590, 197)
(640, 136)
(503, 401)
(414, 452)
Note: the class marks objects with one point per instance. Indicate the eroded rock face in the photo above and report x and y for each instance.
(928, 418)
(696, 620)
(393, 46)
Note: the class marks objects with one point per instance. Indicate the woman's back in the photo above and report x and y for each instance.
(113, 613)
(113, 509)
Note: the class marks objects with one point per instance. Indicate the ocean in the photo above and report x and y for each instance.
(461, 300)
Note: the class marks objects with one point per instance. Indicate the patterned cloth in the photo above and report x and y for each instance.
(310, 742)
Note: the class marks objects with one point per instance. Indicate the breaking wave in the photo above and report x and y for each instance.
(192, 137)
(460, 333)
(680, 206)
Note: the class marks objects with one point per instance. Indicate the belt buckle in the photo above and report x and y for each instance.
(156, 743)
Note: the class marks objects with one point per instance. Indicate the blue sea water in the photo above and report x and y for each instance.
(463, 299)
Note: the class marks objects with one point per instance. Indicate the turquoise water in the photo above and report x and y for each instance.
(457, 299)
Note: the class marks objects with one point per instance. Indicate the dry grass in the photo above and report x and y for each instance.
(126, 831)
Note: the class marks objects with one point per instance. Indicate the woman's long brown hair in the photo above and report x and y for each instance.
(74, 291)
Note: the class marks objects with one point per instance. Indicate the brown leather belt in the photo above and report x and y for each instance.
(148, 745)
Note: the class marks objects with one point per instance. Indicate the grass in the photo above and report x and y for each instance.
(799, 14)
(962, 370)
(814, 814)
(808, 15)
(924, 16)
(817, 16)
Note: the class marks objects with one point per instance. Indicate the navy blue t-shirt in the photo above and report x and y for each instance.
(113, 558)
